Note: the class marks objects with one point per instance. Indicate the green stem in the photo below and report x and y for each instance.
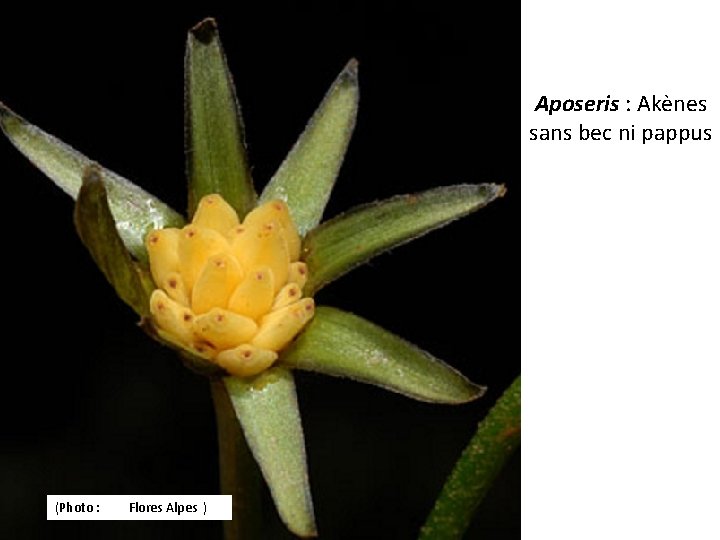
(497, 437)
(239, 474)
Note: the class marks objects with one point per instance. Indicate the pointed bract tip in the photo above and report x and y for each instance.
(351, 69)
(479, 392)
(311, 533)
(470, 393)
(92, 174)
(205, 31)
(9, 118)
(492, 191)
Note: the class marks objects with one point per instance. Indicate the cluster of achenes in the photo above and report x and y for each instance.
(227, 289)
(230, 292)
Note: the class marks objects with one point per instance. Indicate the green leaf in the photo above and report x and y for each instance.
(341, 344)
(267, 409)
(135, 211)
(497, 437)
(347, 241)
(214, 129)
(306, 177)
(96, 227)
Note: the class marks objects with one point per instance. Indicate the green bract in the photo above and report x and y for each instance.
(113, 216)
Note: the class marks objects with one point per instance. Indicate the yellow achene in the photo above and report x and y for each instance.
(230, 292)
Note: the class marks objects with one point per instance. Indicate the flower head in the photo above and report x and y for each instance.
(228, 288)
(230, 292)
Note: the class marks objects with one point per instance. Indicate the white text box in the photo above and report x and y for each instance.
(139, 507)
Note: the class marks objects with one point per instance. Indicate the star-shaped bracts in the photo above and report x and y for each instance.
(231, 290)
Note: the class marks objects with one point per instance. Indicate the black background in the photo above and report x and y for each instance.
(91, 406)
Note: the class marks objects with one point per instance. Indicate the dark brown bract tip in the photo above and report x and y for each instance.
(92, 173)
(351, 69)
(205, 31)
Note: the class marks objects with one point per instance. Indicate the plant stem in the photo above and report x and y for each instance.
(239, 474)
(497, 437)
